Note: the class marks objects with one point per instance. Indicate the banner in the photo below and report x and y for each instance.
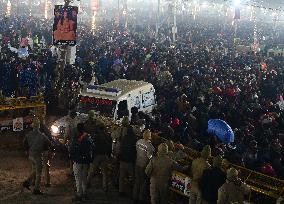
(65, 25)
(181, 183)
(8, 124)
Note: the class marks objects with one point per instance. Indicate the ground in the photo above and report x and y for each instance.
(15, 167)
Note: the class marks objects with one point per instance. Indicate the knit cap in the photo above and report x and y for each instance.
(232, 173)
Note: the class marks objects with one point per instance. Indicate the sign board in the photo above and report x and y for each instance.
(18, 124)
(8, 124)
(65, 25)
(181, 183)
(99, 101)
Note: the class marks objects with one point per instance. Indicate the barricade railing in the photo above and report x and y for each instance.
(259, 183)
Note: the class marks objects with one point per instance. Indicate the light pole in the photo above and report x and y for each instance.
(46, 9)
(8, 10)
(125, 14)
(118, 12)
(158, 20)
(174, 28)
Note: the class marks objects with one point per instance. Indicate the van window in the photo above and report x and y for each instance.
(122, 109)
(148, 99)
(137, 102)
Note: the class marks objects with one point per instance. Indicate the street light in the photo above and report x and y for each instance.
(174, 29)
(46, 9)
(8, 12)
(237, 3)
(158, 20)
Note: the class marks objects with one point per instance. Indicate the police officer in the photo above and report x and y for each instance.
(127, 157)
(70, 135)
(233, 190)
(117, 135)
(159, 171)
(198, 166)
(92, 123)
(145, 151)
(48, 152)
(102, 151)
(35, 143)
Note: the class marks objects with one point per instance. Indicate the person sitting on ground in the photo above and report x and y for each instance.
(197, 168)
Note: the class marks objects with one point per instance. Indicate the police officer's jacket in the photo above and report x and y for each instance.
(145, 151)
(36, 143)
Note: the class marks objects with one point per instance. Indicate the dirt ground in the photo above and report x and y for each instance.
(15, 167)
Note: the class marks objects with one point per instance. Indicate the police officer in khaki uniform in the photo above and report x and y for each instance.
(160, 170)
(70, 135)
(35, 143)
(92, 123)
(233, 190)
(197, 167)
(48, 152)
(127, 156)
(145, 151)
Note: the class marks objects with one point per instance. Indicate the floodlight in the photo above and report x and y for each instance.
(237, 2)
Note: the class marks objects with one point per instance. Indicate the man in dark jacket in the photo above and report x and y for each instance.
(81, 151)
(127, 158)
(211, 181)
(103, 146)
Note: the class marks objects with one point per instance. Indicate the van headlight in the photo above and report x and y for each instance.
(54, 129)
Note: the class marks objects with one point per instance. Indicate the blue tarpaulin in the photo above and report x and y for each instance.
(222, 130)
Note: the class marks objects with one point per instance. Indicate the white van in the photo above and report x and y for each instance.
(115, 99)
(112, 100)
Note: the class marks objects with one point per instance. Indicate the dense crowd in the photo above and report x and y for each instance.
(199, 77)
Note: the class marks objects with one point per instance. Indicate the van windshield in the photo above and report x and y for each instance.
(104, 107)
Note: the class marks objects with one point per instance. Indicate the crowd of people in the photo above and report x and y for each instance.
(199, 77)
(141, 165)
